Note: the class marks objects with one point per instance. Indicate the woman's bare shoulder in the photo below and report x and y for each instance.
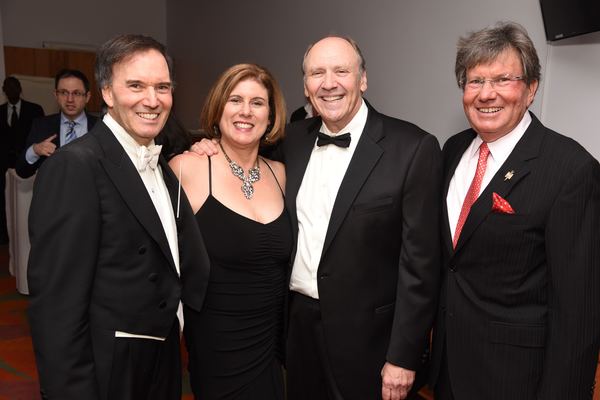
(278, 169)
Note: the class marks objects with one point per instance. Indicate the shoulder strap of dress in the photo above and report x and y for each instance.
(209, 177)
(274, 176)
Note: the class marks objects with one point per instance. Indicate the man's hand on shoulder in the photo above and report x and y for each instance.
(395, 382)
(208, 147)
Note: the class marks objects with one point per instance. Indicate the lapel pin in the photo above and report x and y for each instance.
(509, 175)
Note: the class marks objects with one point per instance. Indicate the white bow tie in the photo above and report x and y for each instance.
(148, 157)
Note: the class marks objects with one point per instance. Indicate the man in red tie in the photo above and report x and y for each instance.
(519, 313)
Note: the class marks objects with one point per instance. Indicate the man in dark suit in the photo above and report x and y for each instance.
(72, 91)
(16, 116)
(363, 192)
(519, 313)
(303, 112)
(365, 272)
(114, 250)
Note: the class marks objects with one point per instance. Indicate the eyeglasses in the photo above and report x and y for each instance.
(75, 93)
(498, 83)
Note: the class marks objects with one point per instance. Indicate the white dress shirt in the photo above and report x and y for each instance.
(500, 149)
(155, 184)
(314, 203)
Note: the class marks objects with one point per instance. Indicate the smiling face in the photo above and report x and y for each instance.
(245, 117)
(140, 95)
(333, 81)
(494, 112)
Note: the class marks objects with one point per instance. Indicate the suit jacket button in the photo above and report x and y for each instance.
(452, 269)
(153, 277)
(322, 276)
(162, 304)
(142, 250)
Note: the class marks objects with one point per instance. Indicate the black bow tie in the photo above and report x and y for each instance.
(339, 140)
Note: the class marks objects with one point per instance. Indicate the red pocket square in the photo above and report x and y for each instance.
(500, 205)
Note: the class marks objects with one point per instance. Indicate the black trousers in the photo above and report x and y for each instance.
(309, 374)
(146, 369)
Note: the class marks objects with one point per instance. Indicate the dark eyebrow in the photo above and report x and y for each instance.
(131, 81)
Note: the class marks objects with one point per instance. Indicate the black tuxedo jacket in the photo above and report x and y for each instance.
(100, 262)
(41, 129)
(379, 270)
(12, 139)
(520, 305)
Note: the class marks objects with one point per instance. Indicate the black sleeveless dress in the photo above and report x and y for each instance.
(235, 341)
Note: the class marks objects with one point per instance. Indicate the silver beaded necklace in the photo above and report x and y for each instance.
(247, 181)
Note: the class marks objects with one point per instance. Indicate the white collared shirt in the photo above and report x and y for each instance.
(157, 189)
(314, 203)
(500, 149)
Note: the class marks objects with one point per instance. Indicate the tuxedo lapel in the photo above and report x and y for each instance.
(128, 182)
(172, 185)
(366, 155)
(516, 167)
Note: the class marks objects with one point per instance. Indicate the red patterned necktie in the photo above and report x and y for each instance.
(473, 192)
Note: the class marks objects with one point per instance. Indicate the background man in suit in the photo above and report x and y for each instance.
(362, 189)
(303, 112)
(519, 314)
(16, 116)
(108, 248)
(72, 91)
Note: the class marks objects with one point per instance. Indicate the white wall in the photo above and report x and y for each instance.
(571, 104)
(28, 23)
(409, 46)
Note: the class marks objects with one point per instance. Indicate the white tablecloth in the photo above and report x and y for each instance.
(18, 198)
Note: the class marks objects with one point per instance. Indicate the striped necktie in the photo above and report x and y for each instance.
(70, 135)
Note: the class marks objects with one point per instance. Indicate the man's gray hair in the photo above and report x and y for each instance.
(485, 45)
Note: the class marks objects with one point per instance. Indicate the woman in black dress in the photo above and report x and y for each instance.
(235, 341)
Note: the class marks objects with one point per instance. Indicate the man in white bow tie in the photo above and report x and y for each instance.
(106, 270)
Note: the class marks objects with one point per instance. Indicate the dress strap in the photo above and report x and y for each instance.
(209, 176)
(274, 176)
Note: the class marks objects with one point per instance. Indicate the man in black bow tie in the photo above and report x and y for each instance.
(362, 190)
(111, 246)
